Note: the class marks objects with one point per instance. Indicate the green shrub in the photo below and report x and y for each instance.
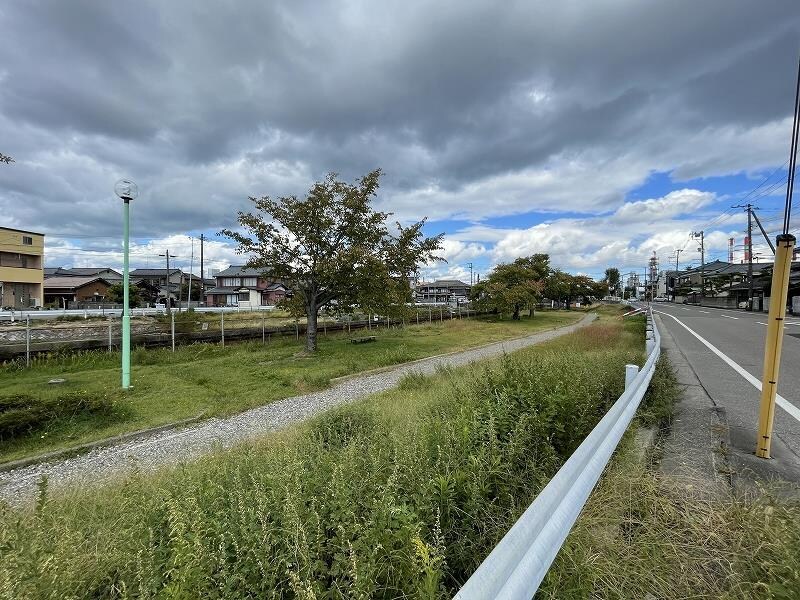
(22, 414)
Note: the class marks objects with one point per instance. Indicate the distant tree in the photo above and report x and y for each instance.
(195, 289)
(116, 292)
(512, 287)
(332, 248)
(612, 280)
(5, 159)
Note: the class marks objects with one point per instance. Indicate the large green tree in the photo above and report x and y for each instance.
(612, 280)
(5, 159)
(511, 287)
(332, 248)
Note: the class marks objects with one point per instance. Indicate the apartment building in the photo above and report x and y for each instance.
(21, 268)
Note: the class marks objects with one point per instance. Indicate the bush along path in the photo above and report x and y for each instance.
(170, 447)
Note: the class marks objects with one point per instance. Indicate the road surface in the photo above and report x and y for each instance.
(725, 348)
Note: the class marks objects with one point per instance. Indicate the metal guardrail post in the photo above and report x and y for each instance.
(222, 327)
(172, 330)
(631, 371)
(109, 336)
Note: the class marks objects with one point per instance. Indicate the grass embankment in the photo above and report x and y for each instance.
(644, 535)
(400, 495)
(210, 379)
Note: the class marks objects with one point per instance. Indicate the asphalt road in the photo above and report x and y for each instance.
(739, 335)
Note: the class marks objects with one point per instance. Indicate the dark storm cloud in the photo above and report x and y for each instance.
(205, 103)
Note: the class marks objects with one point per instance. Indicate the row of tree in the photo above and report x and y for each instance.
(520, 285)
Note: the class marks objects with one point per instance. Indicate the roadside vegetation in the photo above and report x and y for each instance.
(211, 380)
(642, 535)
(400, 495)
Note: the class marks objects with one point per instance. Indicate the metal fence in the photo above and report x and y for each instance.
(26, 338)
(519, 562)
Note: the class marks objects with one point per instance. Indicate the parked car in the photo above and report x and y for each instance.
(660, 299)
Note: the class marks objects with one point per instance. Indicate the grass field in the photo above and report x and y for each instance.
(397, 496)
(211, 380)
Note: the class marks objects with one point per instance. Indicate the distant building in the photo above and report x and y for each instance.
(444, 291)
(21, 268)
(106, 273)
(167, 284)
(61, 291)
(237, 286)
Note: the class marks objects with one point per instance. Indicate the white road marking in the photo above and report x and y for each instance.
(682, 308)
(760, 323)
(729, 317)
(705, 312)
(756, 383)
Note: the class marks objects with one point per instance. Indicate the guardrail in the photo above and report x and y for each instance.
(519, 562)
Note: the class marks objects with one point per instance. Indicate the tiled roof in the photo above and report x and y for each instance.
(70, 282)
(152, 272)
(239, 271)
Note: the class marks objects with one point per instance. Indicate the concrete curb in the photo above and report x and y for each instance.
(83, 448)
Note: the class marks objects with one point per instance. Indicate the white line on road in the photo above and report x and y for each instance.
(779, 400)
(682, 308)
(728, 317)
(760, 323)
(705, 312)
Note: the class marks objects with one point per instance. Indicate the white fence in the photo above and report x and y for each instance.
(519, 562)
(22, 315)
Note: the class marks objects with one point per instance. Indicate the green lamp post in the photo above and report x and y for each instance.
(127, 191)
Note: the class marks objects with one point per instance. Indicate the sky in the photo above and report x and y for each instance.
(599, 132)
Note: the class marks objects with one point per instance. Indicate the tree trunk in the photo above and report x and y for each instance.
(311, 329)
(515, 316)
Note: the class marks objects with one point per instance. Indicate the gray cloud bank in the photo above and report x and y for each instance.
(473, 109)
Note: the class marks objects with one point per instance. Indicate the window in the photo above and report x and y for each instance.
(249, 282)
(229, 281)
(27, 240)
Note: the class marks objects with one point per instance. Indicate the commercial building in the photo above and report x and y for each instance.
(21, 268)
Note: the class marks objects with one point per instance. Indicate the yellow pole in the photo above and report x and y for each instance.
(772, 348)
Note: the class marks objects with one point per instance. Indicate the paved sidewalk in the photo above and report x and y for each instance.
(171, 447)
(707, 454)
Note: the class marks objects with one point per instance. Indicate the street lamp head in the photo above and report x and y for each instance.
(126, 189)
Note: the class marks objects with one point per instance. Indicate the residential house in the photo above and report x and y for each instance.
(166, 283)
(443, 291)
(21, 268)
(106, 273)
(61, 291)
(238, 286)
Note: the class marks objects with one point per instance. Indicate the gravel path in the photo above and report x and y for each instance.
(175, 446)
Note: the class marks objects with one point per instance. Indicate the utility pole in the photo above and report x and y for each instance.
(167, 301)
(191, 268)
(781, 270)
(701, 235)
(202, 273)
(749, 250)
